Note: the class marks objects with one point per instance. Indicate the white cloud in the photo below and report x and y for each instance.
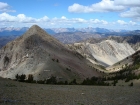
(43, 19)
(132, 23)
(63, 17)
(133, 8)
(121, 22)
(4, 7)
(104, 22)
(24, 19)
(103, 6)
(127, 8)
(4, 17)
(78, 20)
(134, 13)
(129, 3)
(97, 21)
(21, 20)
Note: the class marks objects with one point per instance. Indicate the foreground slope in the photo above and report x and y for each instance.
(15, 93)
(40, 54)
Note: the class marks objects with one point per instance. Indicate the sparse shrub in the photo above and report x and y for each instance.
(73, 82)
(53, 59)
(68, 69)
(22, 78)
(30, 78)
(6, 61)
(52, 80)
(57, 61)
(131, 84)
(60, 83)
(17, 77)
(66, 82)
(115, 82)
(95, 81)
(40, 82)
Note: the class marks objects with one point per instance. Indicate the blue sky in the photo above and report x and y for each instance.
(111, 14)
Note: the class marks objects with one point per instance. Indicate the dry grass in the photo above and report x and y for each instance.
(16, 93)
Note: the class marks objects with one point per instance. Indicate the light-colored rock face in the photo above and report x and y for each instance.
(40, 54)
(110, 52)
(107, 52)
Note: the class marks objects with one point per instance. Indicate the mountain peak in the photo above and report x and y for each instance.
(34, 26)
(36, 30)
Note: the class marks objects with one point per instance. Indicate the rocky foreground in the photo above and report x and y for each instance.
(17, 93)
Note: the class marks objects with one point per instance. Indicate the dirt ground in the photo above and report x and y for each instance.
(17, 93)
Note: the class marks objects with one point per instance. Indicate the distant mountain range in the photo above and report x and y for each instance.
(52, 31)
(12, 31)
(72, 35)
(66, 35)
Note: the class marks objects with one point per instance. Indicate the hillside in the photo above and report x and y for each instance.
(106, 52)
(131, 63)
(38, 53)
(133, 40)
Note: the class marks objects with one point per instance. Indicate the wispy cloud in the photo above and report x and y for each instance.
(56, 4)
(4, 7)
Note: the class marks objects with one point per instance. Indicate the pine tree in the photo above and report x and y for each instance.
(30, 78)
(17, 77)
